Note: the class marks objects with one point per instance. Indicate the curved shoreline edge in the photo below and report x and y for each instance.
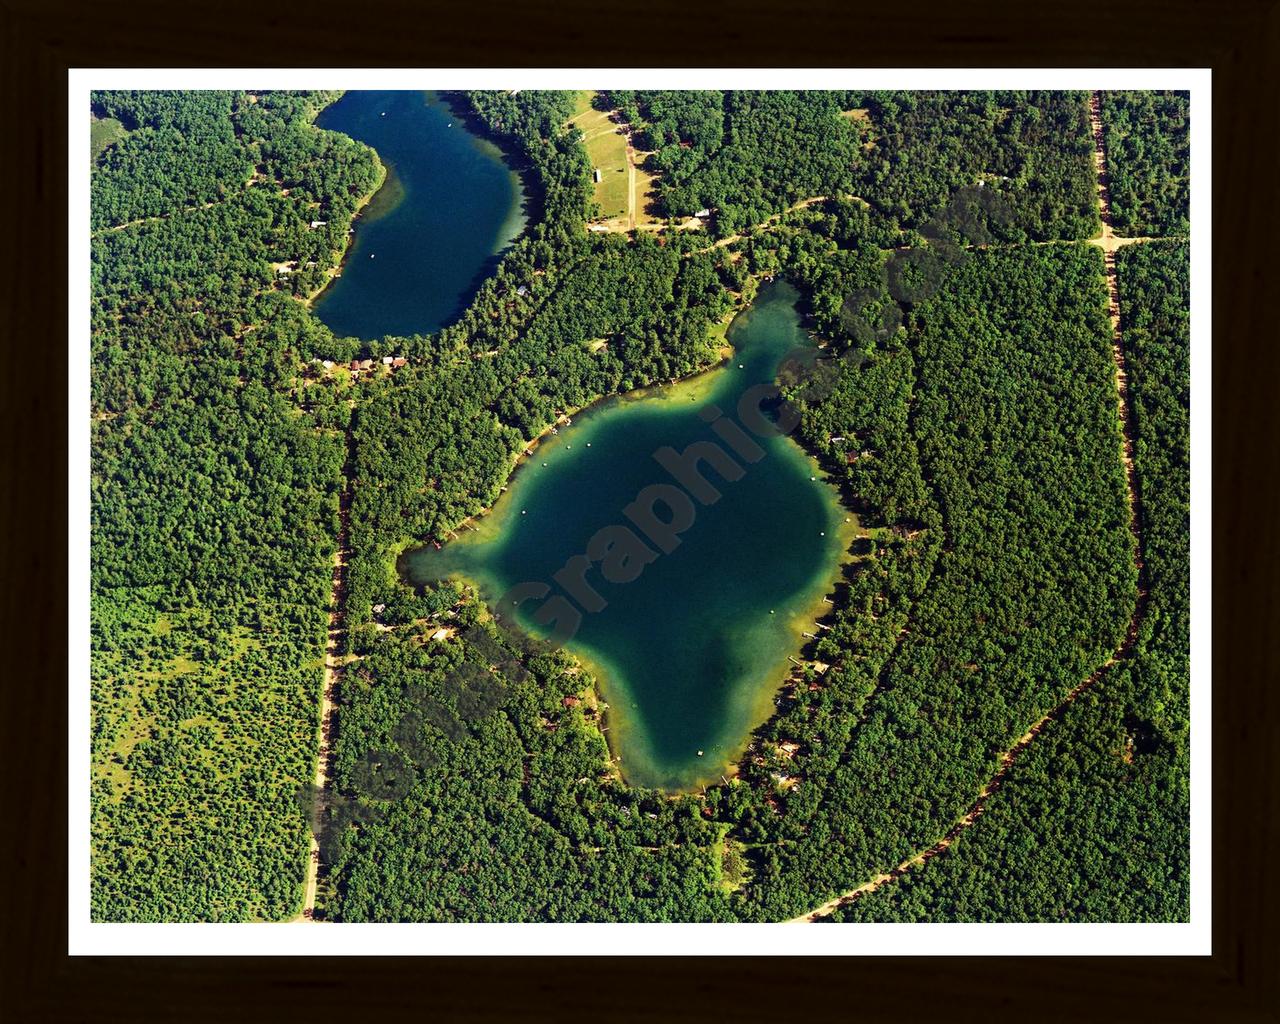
(761, 694)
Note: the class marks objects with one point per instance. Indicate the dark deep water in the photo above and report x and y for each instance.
(692, 652)
(427, 239)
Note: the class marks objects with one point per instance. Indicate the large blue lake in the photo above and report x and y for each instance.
(692, 652)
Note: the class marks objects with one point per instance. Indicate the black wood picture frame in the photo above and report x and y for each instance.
(1238, 39)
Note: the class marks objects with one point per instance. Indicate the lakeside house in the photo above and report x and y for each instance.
(386, 360)
(398, 362)
(318, 224)
(522, 290)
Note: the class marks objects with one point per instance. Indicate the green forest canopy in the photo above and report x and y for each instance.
(1000, 568)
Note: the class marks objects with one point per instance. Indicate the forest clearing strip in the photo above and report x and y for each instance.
(333, 668)
(631, 186)
(181, 211)
(157, 218)
(1125, 649)
(800, 205)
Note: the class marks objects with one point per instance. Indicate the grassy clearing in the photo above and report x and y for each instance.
(607, 149)
(103, 134)
(717, 334)
(646, 193)
(863, 116)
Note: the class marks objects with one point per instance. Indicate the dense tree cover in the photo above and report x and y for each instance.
(963, 399)
(1032, 148)
(489, 799)
(1092, 824)
(1034, 549)
(744, 154)
(1012, 415)
(215, 481)
(751, 154)
(532, 124)
(1148, 139)
(527, 823)
(459, 427)
(181, 150)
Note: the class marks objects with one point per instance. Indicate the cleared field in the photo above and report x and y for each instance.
(863, 116)
(103, 134)
(607, 148)
(646, 191)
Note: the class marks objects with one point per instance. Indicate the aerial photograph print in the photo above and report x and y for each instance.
(531, 505)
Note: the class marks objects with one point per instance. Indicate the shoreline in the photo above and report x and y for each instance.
(591, 408)
(533, 204)
(384, 176)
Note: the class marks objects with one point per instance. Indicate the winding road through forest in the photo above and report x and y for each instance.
(1109, 242)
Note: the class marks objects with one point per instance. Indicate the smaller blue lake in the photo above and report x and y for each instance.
(430, 236)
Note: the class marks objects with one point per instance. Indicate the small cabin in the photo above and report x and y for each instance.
(571, 702)
(399, 361)
(318, 224)
(596, 175)
(522, 290)
(386, 360)
(355, 364)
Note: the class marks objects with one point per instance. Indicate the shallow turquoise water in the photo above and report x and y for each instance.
(693, 650)
(429, 237)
